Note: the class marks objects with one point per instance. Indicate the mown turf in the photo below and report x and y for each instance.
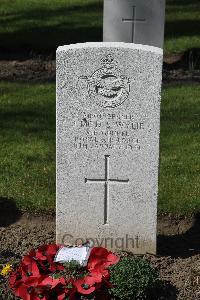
(182, 25)
(27, 138)
(44, 25)
(27, 155)
(179, 188)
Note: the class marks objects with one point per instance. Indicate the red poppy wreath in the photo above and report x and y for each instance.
(40, 277)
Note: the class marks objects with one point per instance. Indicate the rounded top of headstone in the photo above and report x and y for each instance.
(111, 45)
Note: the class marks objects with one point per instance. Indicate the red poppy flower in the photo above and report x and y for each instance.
(72, 295)
(29, 267)
(45, 256)
(83, 287)
(26, 289)
(99, 268)
(65, 289)
(41, 253)
(101, 256)
(89, 283)
(48, 282)
(93, 277)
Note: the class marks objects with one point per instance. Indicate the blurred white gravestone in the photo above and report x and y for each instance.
(134, 21)
(108, 122)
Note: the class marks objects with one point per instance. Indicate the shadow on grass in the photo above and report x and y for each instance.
(183, 245)
(9, 213)
(45, 40)
(27, 117)
(41, 12)
(73, 24)
(176, 29)
(34, 120)
(182, 2)
(190, 60)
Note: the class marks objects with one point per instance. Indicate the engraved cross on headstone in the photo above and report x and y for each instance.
(106, 181)
(134, 20)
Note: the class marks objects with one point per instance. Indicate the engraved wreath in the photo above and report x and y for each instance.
(107, 86)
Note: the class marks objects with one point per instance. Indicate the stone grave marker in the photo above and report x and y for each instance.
(108, 120)
(134, 21)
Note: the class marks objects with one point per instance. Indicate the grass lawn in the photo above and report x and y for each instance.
(27, 156)
(43, 25)
(179, 188)
(182, 25)
(27, 138)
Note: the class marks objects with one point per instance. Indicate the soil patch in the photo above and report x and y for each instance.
(31, 70)
(183, 68)
(178, 259)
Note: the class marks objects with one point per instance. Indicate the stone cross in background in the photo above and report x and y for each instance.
(134, 21)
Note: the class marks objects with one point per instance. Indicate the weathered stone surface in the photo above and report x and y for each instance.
(134, 21)
(108, 117)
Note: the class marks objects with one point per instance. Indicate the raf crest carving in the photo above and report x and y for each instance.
(107, 86)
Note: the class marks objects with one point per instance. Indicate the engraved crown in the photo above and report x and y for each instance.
(108, 62)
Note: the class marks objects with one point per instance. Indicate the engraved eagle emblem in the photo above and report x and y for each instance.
(107, 86)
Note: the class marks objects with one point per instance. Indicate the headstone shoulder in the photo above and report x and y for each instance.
(111, 45)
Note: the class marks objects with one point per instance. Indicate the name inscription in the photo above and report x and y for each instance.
(108, 131)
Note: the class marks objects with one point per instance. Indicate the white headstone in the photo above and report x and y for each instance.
(108, 120)
(134, 21)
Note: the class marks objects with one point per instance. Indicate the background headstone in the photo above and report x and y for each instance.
(134, 21)
(108, 119)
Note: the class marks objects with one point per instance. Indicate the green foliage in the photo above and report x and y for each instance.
(74, 270)
(72, 265)
(134, 278)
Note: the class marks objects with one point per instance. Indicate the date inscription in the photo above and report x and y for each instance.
(108, 131)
